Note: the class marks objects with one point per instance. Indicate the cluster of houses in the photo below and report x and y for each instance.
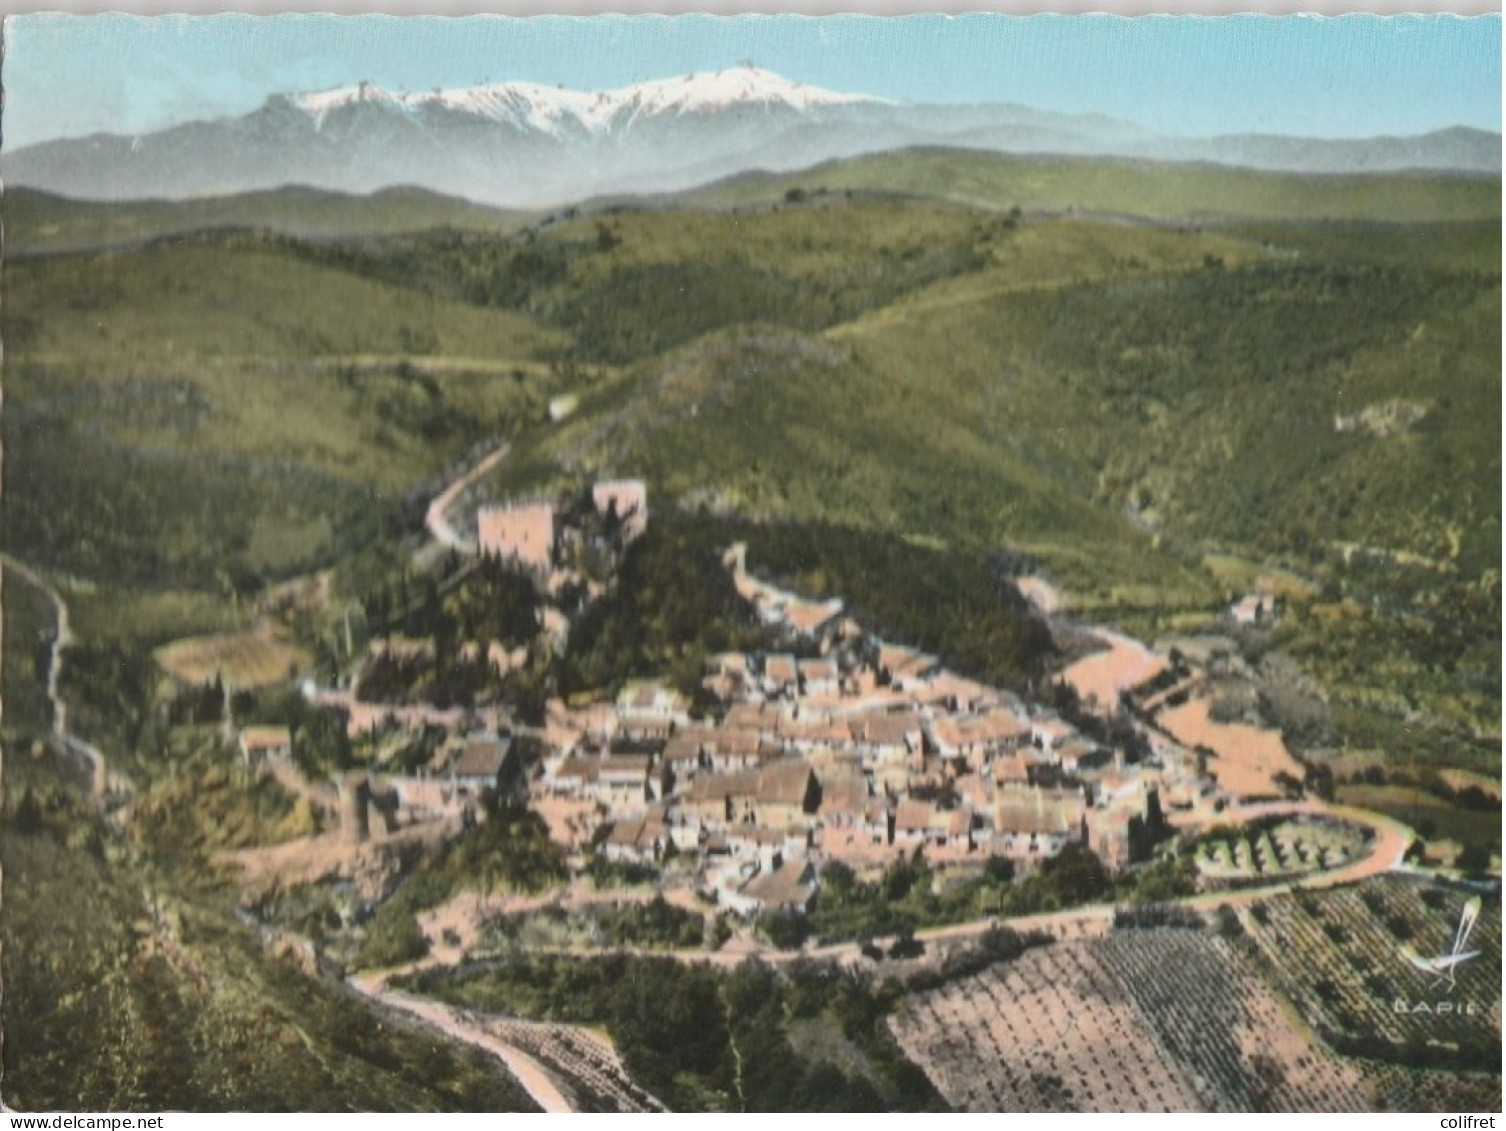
(842, 747)
(469, 764)
(831, 745)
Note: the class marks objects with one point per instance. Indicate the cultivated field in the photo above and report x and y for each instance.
(1053, 1030)
(1246, 760)
(241, 659)
(1339, 954)
(1148, 1020)
(1225, 1028)
(1101, 677)
(1291, 848)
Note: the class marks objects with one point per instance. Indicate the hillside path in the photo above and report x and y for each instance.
(103, 781)
(436, 518)
(454, 1024)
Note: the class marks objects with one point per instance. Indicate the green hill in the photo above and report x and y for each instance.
(243, 409)
(1114, 397)
(1146, 189)
(36, 221)
(1115, 401)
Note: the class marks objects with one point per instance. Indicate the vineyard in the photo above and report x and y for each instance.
(1224, 1027)
(1052, 1031)
(1291, 848)
(1150, 1020)
(1344, 957)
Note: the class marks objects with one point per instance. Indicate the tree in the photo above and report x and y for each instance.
(28, 816)
(906, 945)
(1473, 860)
(786, 930)
(1075, 876)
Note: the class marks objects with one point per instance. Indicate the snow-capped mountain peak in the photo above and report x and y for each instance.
(556, 109)
(717, 90)
(532, 146)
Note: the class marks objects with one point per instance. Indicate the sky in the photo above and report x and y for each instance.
(1346, 76)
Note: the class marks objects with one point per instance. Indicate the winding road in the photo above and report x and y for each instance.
(456, 1025)
(436, 518)
(103, 781)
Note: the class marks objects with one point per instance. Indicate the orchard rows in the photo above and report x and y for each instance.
(1291, 849)
(1051, 1031)
(1225, 1028)
(1184, 1019)
(1339, 955)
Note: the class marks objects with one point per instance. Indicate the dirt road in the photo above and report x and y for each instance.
(1387, 847)
(436, 518)
(455, 1024)
(103, 781)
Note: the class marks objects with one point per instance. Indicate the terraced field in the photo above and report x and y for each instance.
(242, 659)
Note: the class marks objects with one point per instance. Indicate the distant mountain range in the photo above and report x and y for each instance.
(521, 145)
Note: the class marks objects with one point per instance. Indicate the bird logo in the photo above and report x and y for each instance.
(1445, 967)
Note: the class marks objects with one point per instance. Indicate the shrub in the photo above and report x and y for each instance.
(906, 945)
(392, 938)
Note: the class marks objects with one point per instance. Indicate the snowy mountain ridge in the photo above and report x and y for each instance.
(527, 145)
(559, 110)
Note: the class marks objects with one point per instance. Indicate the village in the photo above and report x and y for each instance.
(828, 746)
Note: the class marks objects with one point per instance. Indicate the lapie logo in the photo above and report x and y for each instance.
(1444, 968)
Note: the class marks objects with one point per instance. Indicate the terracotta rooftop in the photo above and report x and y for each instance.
(1054, 728)
(756, 834)
(687, 745)
(974, 789)
(784, 782)
(1045, 811)
(625, 767)
(892, 656)
(780, 668)
(913, 815)
(719, 787)
(751, 716)
(637, 832)
(736, 742)
(790, 886)
(483, 756)
(577, 766)
(844, 793)
(1011, 769)
(885, 728)
(819, 670)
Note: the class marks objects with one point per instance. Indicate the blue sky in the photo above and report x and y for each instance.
(1347, 76)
